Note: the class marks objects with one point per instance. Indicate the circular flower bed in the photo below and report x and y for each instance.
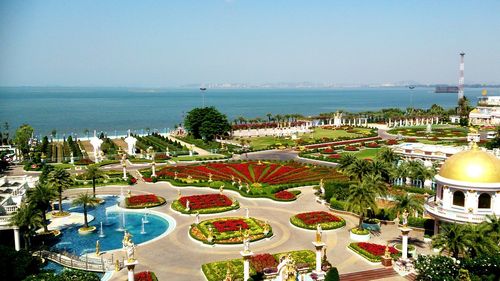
(310, 220)
(205, 204)
(143, 201)
(372, 252)
(230, 230)
(351, 148)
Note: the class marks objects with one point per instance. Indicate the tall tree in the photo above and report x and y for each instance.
(387, 155)
(59, 179)
(206, 123)
(345, 161)
(269, 116)
(28, 219)
(93, 172)
(85, 200)
(361, 198)
(40, 197)
(358, 169)
(22, 138)
(407, 202)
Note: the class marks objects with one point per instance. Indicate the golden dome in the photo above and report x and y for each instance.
(472, 166)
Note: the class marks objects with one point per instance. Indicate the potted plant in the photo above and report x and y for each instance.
(359, 234)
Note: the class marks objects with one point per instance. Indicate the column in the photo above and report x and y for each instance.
(246, 264)
(124, 170)
(319, 250)
(446, 197)
(17, 239)
(130, 268)
(404, 235)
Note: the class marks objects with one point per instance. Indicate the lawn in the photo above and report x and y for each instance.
(367, 153)
(318, 133)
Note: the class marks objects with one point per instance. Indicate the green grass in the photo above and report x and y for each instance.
(199, 158)
(367, 153)
(318, 133)
(63, 165)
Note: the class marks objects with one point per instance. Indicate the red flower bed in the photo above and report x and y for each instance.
(230, 225)
(350, 148)
(142, 199)
(262, 261)
(376, 249)
(328, 151)
(143, 276)
(133, 180)
(391, 142)
(335, 156)
(313, 218)
(372, 145)
(206, 201)
(284, 195)
(148, 179)
(252, 172)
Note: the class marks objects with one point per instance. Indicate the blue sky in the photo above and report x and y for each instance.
(171, 43)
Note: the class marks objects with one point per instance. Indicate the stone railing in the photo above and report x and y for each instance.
(453, 215)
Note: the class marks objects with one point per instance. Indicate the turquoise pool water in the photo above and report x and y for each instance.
(113, 225)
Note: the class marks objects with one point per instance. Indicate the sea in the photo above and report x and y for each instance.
(116, 110)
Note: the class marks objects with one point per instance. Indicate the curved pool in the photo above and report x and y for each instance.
(114, 222)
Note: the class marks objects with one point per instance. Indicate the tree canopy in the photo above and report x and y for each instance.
(206, 123)
(22, 138)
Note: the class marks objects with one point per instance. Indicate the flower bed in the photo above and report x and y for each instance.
(216, 271)
(370, 251)
(351, 148)
(205, 204)
(143, 201)
(227, 230)
(262, 261)
(310, 220)
(285, 195)
(145, 276)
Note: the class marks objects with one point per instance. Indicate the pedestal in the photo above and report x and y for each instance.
(130, 267)
(319, 250)
(153, 168)
(124, 172)
(386, 261)
(17, 239)
(246, 263)
(404, 235)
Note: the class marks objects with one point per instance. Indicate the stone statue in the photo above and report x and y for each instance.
(175, 175)
(287, 269)
(129, 246)
(322, 186)
(266, 228)
(221, 189)
(117, 266)
(318, 233)
(197, 218)
(246, 241)
(405, 218)
(187, 205)
(228, 273)
(129, 193)
(210, 177)
(210, 236)
(97, 248)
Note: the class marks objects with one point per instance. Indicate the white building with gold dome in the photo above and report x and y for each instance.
(468, 188)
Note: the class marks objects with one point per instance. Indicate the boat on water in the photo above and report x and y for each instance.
(446, 89)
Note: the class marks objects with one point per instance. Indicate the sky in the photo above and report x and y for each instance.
(172, 43)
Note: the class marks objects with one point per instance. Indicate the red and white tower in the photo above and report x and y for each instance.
(461, 80)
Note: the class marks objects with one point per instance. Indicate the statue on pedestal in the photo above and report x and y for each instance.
(187, 205)
(322, 186)
(387, 253)
(246, 241)
(97, 248)
(210, 177)
(197, 218)
(175, 175)
(221, 189)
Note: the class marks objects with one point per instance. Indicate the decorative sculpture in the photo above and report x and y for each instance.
(405, 218)
(128, 246)
(318, 233)
(97, 248)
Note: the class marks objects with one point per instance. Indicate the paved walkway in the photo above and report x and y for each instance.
(200, 151)
(178, 257)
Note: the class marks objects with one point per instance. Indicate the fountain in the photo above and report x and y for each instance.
(101, 232)
(122, 223)
(143, 231)
(121, 192)
(145, 219)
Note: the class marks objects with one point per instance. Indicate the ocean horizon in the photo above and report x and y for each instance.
(114, 110)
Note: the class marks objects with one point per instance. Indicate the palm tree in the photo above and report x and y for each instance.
(28, 219)
(381, 168)
(361, 198)
(479, 241)
(345, 161)
(407, 202)
(269, 116)
(358, 169)
(61, 180)
(374, 182)
(242, 119)
(387, 155)
(85, 200)
(93, 172)
(492, 227)
(40, 198)
(453, 238)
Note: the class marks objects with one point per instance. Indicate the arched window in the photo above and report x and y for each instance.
(484, 201)
(458, 198)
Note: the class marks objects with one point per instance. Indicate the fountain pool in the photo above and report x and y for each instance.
(114, 221)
